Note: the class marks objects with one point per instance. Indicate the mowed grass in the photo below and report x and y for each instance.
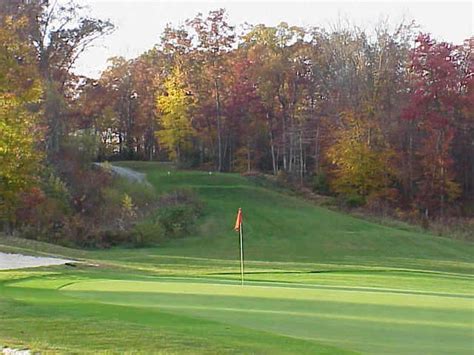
(318, 282)
(39, 312)
(97, 310)
(279, 227)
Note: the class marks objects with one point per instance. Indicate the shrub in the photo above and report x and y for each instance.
(383, 202)
(111, 237)
(128, 208)
(147, 233)
(252, 174)
(125, 202)
(176, 220)
(56, 188)
(320, 184)
(84, 145)
(40, 216)
(141, 194)
(282, 178)
(354, 200)
(178, 212)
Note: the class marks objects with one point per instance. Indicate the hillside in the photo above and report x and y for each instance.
(279, 227)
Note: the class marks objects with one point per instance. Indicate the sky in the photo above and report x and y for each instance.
(140, 23)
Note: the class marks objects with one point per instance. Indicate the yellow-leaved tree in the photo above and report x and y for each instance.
(174, 105)
(361, 166)
(20, 88)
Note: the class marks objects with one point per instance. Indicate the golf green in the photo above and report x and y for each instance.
(368, 320)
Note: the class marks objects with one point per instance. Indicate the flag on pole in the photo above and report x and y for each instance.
(238, 228)
(238, 222)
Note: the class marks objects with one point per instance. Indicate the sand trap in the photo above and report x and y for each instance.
(19, 261)
(10, 351)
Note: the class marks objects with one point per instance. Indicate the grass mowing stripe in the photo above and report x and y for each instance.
(297, 285)
(86, 327)
(356, 325)
(308, 314)
(61, 283)
(347, 296)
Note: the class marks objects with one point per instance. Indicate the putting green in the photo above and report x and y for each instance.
(370, 321)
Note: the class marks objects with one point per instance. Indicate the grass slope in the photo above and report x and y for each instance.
(319, 282)
(283, 228)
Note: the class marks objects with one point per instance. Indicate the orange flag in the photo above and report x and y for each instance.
(238, 222)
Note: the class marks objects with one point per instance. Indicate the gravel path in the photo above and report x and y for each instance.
(128, 174)
(19, 261)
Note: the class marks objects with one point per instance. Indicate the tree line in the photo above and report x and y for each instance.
(382, 117)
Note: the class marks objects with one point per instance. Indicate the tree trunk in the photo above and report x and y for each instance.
(248, 155)
(272, 148)
(284, 135)
(316, 147)
(272, 144)
(301, 158)
(219, 133)
(410, 161)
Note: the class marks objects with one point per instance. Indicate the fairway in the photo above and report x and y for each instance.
(317, 282)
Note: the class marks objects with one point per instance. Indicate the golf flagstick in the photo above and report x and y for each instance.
(238, 228)
(241, 254)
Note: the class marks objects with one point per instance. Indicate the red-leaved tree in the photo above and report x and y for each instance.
(435, 107)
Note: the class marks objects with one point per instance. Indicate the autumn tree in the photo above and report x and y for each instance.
(463, 142)
(20, 91)
(59, 33)
(360, 169)
(94, 110)
(146, 72)
(122, 100)
(215, 38)
(434, 105)
(282, 71)
(265, 51)
(174, 105)
(244, 112)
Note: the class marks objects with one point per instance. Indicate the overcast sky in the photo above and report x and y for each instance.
(139, 23)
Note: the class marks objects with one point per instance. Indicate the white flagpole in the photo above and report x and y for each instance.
(241, 234)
